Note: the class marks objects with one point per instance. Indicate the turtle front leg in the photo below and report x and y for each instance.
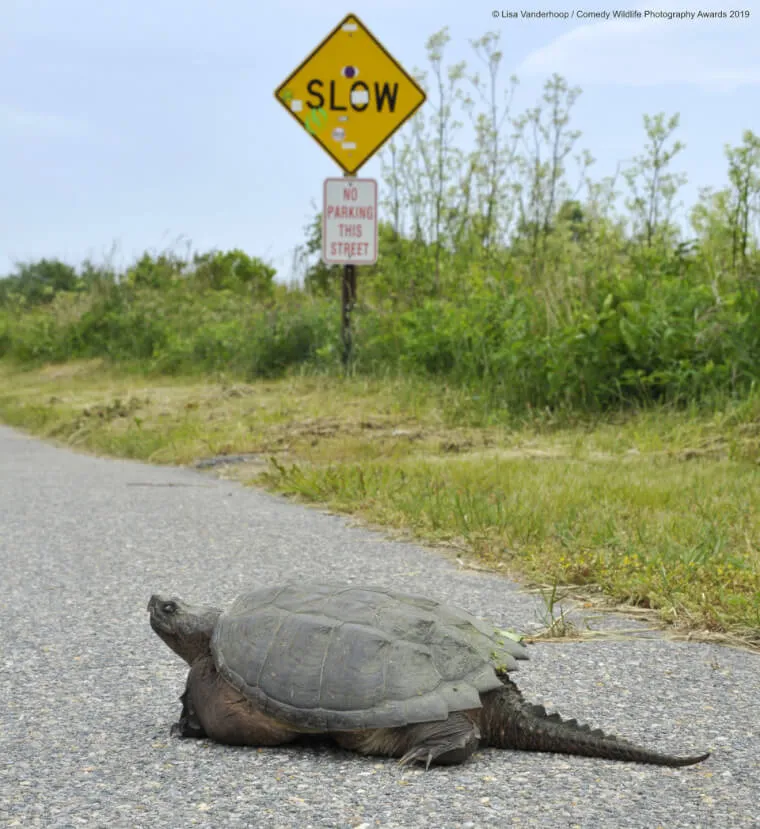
(212, 708)
(189, 726)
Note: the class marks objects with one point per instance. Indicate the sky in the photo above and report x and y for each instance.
(134, 125)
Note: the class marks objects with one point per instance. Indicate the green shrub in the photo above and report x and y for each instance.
(649, 333)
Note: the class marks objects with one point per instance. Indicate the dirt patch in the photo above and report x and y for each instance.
(117, 408)
(67, 370)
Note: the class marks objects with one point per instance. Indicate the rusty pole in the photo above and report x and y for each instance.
(348, 300)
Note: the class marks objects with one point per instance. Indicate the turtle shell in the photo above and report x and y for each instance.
(329, 657)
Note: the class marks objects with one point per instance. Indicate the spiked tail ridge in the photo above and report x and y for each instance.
(507, 721)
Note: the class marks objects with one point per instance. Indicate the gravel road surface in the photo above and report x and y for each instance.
(88, 692)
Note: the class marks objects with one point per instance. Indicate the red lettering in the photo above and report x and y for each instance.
(349, 250)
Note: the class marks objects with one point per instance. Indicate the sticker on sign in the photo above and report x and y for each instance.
(349, 221)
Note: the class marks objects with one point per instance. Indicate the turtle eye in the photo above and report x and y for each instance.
(169, 607)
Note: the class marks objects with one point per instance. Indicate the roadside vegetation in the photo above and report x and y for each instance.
(549, 371)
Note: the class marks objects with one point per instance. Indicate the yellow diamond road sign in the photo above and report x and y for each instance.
(350, 94)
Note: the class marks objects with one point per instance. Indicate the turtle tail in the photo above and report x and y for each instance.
(507, 721)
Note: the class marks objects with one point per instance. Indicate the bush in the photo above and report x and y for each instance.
(650, 333)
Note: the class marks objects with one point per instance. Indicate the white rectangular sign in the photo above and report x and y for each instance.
(349, 221)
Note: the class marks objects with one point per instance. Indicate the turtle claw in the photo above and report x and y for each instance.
(427, 754)
(187, 728)
(420, 754)
(447, 743)
(189, 725)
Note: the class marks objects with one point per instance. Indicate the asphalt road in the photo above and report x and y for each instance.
(88, 692)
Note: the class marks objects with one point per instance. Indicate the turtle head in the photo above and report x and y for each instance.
(185, 628)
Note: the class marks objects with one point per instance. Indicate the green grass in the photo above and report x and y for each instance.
(660, 509)
(658, 533)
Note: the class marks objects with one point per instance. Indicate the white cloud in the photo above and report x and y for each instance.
(720, 54)
(41, 124)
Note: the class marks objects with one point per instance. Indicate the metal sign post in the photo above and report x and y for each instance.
(348, 298)
(350, 95)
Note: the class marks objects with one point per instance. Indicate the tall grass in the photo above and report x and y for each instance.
(633, 339)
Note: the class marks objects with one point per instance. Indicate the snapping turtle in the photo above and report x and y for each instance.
(380, 672)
